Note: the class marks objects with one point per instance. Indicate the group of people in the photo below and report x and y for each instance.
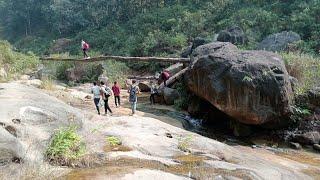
(101, 93)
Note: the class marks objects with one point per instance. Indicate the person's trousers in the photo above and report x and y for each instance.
(133, 107)
(85, 53)
(152, 100)
(96, 103)
(106, 106)
(117, 100)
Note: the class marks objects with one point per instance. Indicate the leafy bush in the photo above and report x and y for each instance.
(299, 113)
(116, 71)
(15, 62)
(305, 68)
(65, 146)
(184, 99)
(113, 141)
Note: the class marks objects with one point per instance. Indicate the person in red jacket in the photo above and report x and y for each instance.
(116, 92)
(164, 77)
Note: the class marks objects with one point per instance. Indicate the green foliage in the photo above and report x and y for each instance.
(247, 79)
(305, 68)
(15, 62)
(113, 141)
(184, 100)
(33, 44)
(299, 113)
(116, 71)
(66, 145)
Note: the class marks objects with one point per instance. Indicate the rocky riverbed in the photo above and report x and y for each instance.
(150, 148)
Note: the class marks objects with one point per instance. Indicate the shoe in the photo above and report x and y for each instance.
(88, 57)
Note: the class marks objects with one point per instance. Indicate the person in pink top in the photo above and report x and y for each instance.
(116, 92)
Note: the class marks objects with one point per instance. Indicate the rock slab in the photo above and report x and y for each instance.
(278, 41)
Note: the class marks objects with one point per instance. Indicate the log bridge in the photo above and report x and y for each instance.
(170, 81)
(120, 58)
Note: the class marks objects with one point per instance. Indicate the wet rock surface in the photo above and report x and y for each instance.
(251, 86)
(152, 144)
(308, 138)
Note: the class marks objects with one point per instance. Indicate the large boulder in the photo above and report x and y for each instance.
(308, 138)
(80, 72)
(251, 86)
(170, 95)
(279, 41)
(198, 41)
(234, 34)
(144, 86)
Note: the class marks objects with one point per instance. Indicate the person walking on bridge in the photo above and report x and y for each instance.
(96, 91)
(116, 91)
(133, 98)
(107, 92)
(85, 48)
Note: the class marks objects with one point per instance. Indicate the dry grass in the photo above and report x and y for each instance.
(48, 84)
(305, 68)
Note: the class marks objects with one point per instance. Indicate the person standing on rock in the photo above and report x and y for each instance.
(133, 98)
(96, 91)
(154, 91)
(107, 92)
(85, 48)
(116, 92)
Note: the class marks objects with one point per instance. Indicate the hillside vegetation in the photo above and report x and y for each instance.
(152, 27)
(13, 63)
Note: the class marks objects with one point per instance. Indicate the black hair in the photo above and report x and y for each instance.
(94, 83)
(134, 81)
(102, 83)
(115, 82)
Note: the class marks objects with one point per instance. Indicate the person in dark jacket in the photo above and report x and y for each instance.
(107, 92)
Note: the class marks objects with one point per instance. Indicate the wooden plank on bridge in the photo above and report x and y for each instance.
(119, 58)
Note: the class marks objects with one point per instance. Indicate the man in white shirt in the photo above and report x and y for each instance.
(96, 91)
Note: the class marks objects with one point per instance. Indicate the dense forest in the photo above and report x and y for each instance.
(152, 27)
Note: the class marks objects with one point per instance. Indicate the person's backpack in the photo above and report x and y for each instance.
(166, 75)
(86, 46)
(108, 94)
(133, 94)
